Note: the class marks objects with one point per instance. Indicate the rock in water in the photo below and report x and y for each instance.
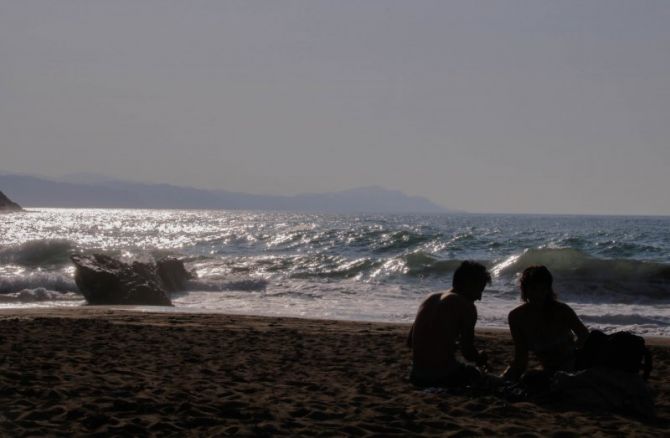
(105, 280)
(172, 274)
(7, 204)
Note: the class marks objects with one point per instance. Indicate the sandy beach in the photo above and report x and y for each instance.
(116, 372)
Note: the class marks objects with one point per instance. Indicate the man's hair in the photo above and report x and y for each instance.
(537, 275)
(469, 272)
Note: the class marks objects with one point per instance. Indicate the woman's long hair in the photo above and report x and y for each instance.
(536, 275)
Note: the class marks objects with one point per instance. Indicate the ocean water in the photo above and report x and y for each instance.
(614, 271)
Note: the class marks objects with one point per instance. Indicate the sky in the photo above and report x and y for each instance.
(484, 106)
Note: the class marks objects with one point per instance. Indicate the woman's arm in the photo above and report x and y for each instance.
(520, 362)
(577, 327)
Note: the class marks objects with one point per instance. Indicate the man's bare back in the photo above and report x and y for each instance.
(442, 320)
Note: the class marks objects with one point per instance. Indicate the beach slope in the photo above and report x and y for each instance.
(112, 371)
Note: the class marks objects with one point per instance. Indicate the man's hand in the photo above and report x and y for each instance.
(482, 361)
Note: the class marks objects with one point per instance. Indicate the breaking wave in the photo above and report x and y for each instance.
(584, 274)
(420, 263)
(47, 252)
(52, 281)
(243, 284)
(37, 295)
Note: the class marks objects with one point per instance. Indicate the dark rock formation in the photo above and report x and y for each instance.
(105, 280)
(7, 204)
(172, 274)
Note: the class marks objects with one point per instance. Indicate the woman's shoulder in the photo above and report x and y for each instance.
(556, 307)
(561, 307)
(519, 311)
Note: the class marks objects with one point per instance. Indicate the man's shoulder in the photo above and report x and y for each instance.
(434, 297)
(457, 302)
(451, 296)
(439, 297)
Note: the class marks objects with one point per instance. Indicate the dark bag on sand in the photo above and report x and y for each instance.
(621, 351)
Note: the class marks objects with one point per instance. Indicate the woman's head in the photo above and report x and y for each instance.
(536, 284)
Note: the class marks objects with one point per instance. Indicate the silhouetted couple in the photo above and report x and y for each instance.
(542, 325)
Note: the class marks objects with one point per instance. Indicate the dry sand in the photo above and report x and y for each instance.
(114, 372)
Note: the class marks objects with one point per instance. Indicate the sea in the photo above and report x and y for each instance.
(613, 270)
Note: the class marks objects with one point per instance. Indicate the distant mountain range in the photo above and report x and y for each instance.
(93, 191)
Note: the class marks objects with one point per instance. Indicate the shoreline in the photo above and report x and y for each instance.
(105, 311)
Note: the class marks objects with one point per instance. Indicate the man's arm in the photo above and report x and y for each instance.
(468, 349)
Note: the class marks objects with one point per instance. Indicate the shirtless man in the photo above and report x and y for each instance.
(443, 320)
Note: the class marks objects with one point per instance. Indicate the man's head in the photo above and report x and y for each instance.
(470, 279)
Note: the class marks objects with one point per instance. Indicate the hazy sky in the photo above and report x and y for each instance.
(486, 106)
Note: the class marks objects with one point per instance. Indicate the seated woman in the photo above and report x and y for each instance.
(544, 326)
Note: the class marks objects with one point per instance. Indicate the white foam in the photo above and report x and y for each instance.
(39, 295)
(352, 300)
(54, 281)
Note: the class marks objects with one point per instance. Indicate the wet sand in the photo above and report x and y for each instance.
(114, 372)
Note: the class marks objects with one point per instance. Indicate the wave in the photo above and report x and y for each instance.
(626, 319)
(39, 294)
(58, 284)
(325, 266)
(244, 284)
(420, 263)
(52, 281)
(398, 240)
(583, 273)
(615, 249)
(639, 323)
(332, 267)
(45, 252)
